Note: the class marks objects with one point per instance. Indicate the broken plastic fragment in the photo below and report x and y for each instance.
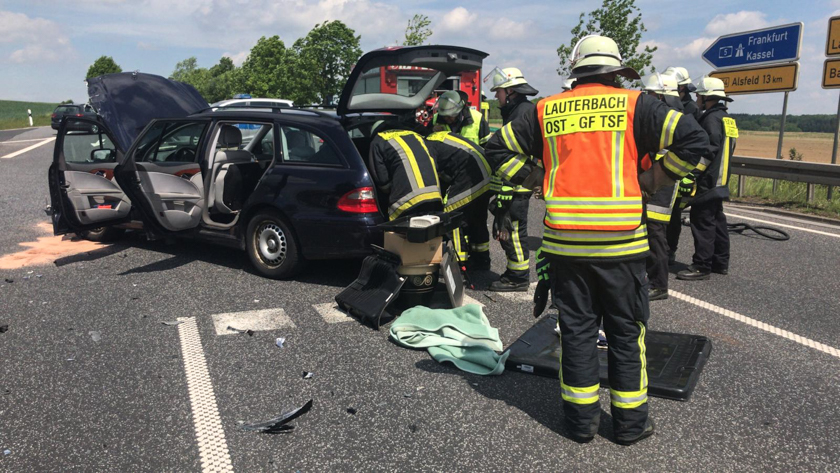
(4, 328)
(278, 424)
(170, 323)
(95, 335)
(7, 452)
(351, 411)
(307, 374)
(413, 427)
(279, 342)
(237, 330)
(10, 280)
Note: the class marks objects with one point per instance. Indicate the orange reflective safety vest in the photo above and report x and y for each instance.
(589, 152)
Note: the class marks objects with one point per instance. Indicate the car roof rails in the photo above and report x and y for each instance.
(260, 107)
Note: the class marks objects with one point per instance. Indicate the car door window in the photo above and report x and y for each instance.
(84, 143)
(303, 147)
(170, 142)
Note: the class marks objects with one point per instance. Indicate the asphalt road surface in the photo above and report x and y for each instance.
(92, 380)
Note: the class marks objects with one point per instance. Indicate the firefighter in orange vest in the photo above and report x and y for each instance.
(591, 139)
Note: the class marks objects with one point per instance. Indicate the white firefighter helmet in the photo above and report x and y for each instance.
(661, 84)
(711, 87)
(568, 84)
(509, 78)
(680, 73)
(595, 55)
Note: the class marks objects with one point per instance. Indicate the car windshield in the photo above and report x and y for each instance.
(170, 141)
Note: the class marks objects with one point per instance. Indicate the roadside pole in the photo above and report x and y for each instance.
(834, 148)
(781, 139)
(29, 112)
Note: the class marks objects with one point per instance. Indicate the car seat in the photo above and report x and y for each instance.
(299, 149)
(227, 190)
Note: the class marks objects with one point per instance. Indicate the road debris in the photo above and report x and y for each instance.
(308, 374)
(413, 427)
(171, 323)
(9, 280)
(249, 332)
(488, 296)
(96, 335)
(7, 452)
(278, 424)
(352, 411)
(279, 342)
(4, 328)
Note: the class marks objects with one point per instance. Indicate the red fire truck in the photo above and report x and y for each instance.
(408, 80)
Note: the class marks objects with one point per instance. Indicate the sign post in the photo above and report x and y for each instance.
(831, 79)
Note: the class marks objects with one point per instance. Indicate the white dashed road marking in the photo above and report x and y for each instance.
(256, 320)
(21, 141)
(209, 434)
(30, 148)
(777, 224)
(758, 324)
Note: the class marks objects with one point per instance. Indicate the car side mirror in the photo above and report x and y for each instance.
(103, 155)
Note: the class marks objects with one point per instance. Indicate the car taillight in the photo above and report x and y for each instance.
(79, 115)
(53, 115)
(360, 201)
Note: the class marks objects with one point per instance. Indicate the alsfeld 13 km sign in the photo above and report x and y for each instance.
(756, 80)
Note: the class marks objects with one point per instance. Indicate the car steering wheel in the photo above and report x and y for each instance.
(184, 154)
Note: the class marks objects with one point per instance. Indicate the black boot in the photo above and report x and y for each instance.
(508, 285)
(693, 273)
(650, 428)
(656, 294)
(479, 261)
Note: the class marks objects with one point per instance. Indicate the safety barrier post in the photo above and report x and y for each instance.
(742, 181)
(781, 139)
(29, 112)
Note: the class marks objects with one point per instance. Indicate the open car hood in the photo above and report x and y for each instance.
(126, 102)
(432, 64)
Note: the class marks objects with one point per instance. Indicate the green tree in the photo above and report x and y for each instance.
(266, 72)
(322, 62)
(417, 31)
(185, 69)
(620, 20)
(103, 65)
(217, 83)
(67, 102)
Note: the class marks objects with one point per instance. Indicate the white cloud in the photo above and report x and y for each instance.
(735, 22)
(238, 58)
(34, 39)
(459, 19)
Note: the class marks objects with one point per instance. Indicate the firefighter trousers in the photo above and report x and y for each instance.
(675, 227)
(657, 260)
(711, 236)
(516, 247)
(472, 238)
(617, 294)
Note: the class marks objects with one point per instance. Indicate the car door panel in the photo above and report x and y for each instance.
(83, 193)
(174, 191)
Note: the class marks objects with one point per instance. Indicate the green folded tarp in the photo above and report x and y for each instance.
(462, 336)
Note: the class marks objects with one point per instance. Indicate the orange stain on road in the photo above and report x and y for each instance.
(47, 249)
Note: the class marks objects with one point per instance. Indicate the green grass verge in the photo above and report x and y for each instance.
(789, 195)
(13, 113)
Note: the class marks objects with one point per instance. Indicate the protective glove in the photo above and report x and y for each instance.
(688, 185)
(543, 284)
(502, 223)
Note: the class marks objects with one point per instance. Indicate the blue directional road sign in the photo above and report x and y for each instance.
(750, 48)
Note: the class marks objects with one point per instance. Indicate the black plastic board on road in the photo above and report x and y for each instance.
(674, 360)
(377, 286)
(451, 274)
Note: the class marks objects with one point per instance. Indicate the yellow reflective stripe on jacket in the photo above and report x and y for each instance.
(676, 165)
(666, 137)
(510, 139)
(703, 164)
(480, 247)
(724, 167)
(412, 199)
(660, 213)
(618, 163)
(595, 244)
(460, 251)
(575, 395)
(469, 195)
(412, 160)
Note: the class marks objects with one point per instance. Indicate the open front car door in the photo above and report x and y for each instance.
(83, 192)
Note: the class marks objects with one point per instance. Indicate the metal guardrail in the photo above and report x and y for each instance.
(796, 171)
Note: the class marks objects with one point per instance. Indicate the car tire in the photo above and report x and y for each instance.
(103, 234)
(272, 247)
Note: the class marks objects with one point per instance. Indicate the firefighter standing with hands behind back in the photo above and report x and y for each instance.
(590, 140)
(512, 91)
(708, 222)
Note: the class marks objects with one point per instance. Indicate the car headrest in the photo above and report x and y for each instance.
(296, 139)
(230, 137)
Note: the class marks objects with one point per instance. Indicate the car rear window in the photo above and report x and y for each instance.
(67, 109)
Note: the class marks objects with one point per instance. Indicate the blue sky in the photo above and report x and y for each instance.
(47, 46)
